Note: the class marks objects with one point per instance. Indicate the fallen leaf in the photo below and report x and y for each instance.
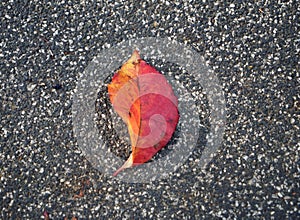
(46, 215)
(145, 101)
(84, 183)
(73, 218)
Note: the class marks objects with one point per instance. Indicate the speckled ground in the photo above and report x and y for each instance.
(252, 47)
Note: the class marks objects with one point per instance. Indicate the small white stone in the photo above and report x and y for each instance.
(31, 87)
(292, 120)
(11, 203)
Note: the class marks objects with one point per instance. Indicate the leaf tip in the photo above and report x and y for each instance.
(127, 164)
(135, 56)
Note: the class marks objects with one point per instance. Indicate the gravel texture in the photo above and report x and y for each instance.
(252, 47)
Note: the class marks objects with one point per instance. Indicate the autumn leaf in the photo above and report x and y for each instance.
(84, 184)
(46, 215)
(145, 101)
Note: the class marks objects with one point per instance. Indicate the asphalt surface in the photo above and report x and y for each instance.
(252, 47)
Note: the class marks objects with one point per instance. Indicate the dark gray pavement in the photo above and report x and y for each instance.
(252, 47)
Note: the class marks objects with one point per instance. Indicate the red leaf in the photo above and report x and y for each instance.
(146, 102)
(46, 215)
